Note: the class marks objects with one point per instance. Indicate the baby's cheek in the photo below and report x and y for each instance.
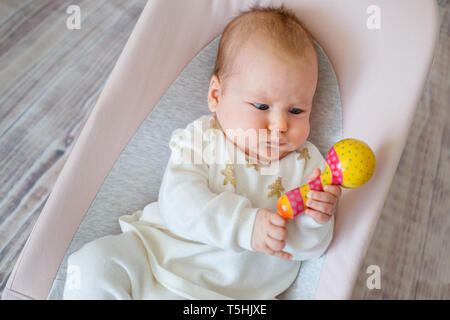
(300, 134)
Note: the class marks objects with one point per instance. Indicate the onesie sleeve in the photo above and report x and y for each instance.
(188, 206)
(308, 239)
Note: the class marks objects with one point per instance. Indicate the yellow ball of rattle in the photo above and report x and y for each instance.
(351, 161)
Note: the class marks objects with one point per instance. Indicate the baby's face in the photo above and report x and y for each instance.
(271, 93)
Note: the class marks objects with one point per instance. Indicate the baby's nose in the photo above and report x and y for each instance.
(278, 124)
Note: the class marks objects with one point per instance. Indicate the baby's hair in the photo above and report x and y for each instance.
(280, 25)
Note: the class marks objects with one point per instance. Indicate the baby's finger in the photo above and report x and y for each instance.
(321, 196)
(313, 174)
(334, 190)
(317, 216)
(324, 207)
(283, 255)
(267, 250)
(280, 254)
(277, 220)
(277, 233)
(275, 245)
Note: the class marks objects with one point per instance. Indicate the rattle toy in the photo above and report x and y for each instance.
(350, 163)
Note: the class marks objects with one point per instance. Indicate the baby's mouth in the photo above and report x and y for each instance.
(276, 144)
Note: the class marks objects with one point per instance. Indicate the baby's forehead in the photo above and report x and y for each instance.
(267, 61)
(259, 43)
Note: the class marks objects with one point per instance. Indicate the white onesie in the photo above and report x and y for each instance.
(195, 241)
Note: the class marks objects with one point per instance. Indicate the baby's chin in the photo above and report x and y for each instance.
(273, 154)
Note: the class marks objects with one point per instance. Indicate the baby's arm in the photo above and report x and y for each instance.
(192, 211)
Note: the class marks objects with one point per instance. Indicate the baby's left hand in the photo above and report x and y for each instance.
(322, 204)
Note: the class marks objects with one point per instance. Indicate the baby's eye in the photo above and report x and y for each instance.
(296, 111)
(261, 106)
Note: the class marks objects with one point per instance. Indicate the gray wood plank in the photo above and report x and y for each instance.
(50, 78)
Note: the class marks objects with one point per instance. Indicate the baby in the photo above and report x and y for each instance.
(214, 232)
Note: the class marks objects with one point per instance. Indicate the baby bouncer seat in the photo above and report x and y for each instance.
(381, 53)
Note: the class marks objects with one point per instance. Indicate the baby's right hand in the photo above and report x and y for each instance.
(269, 233)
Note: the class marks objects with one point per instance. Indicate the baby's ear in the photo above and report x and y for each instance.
(213, 93)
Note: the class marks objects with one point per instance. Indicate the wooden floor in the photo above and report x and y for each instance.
(50, 78)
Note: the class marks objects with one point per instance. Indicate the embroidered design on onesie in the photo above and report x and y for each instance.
(277, 188)
(303, 154)
(212, 124)
(228, 172)
(255, 165)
